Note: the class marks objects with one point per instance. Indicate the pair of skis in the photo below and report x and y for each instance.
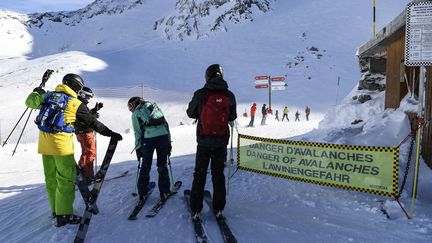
(90, 197)
(159, 204)
(200, 233)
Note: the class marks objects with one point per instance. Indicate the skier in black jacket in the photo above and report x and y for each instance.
(85, 124)
(264, 114)
(211, 147)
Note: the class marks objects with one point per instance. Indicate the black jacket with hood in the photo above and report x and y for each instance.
(86, 121)
(195, 106)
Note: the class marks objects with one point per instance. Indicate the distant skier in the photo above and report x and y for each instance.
(264, 114)
(277, 115)
(297, 116)
(58, 112)
(85, 125)
(269, 111)
(285, 113)
(252, 114)
(214, 106)
(307, 111)
(151, 133)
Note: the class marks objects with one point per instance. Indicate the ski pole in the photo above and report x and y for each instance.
(45, 78)
(13, 129)
(95, 138)
(231, 159)
(134, 193)
(170, 171)
(22, 131)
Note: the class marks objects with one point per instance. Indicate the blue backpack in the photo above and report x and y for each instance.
(51, 115)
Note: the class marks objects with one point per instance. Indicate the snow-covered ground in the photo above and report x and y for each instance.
(259, 208)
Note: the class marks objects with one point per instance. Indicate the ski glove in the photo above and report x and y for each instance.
(116, 136)
(47, 75)
(39, 90)
(139, 153)
(98, 106)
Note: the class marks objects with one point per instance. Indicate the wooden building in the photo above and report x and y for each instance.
(384, 53)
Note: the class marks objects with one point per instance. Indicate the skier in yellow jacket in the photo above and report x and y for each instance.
(58, 112)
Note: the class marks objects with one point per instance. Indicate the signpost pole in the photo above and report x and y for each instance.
(374, 18)
(418, 141)
(270, 89)
(337, 90)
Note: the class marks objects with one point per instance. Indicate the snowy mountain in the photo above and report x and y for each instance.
(72, 18)
(199, 18)
(118, 44)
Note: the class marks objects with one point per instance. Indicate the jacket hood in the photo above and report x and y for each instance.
(216, 83)
(66, 89)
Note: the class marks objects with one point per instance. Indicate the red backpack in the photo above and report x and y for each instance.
(214, 114)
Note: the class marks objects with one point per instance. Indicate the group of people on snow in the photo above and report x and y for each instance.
(265, 111)
(64, 112)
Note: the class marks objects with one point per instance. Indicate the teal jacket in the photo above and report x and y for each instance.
(140, 120)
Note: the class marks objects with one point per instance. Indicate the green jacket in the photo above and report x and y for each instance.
(140, 123)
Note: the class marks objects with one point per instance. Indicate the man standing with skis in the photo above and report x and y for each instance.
(214, 106)
(151, 133)
(252, 114)
(297, 116)
(85, 124)
(58, 112)
(307, 112)
(285, 113)
(264, 114)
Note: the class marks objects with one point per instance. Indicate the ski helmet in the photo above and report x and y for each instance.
(213, 71)
(74, 81)
(86, 92)
(134, 102)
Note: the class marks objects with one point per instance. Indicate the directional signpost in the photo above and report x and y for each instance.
(272, 83)
(277, 79)
(261, 86)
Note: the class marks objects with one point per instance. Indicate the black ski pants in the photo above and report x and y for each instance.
(149, 145)
(216, 157)
(251, 123)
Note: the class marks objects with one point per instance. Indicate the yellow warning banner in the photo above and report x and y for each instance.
(368, 169)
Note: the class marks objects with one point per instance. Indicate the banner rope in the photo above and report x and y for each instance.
(413, 138)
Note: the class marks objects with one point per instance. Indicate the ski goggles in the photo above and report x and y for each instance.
(86, 94)
(131, 107)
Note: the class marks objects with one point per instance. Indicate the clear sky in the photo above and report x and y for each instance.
(31, 6)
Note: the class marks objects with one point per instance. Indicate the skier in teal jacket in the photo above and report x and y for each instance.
(151, 133)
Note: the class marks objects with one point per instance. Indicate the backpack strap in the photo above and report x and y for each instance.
(153, 120)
